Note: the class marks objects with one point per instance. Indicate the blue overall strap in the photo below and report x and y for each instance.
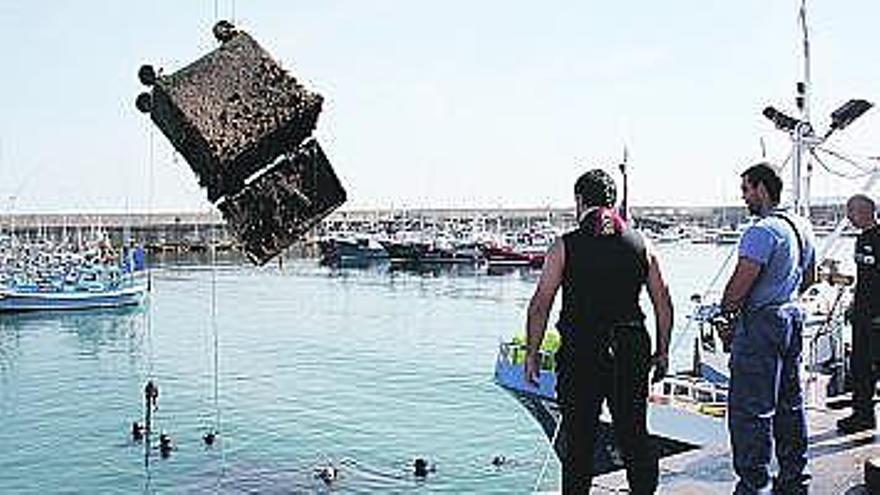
(797, 235)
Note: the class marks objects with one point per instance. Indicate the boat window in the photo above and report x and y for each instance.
(681, 390)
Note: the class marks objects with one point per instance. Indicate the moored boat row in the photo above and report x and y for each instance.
(411, 250)
(45, 276)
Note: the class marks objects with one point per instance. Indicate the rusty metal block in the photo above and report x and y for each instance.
(232, 112)
(279, 206)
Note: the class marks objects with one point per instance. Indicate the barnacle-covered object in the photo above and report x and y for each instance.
(282, 204)
(239, 120)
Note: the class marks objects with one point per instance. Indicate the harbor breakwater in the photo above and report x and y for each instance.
(193, 231)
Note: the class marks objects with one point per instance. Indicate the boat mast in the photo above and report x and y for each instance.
(624, 203)
(802, 135)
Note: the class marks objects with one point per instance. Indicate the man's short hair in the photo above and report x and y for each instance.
(764, 173)
(596, 188)
(864, 199)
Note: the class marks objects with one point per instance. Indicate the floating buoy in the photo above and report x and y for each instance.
(499, 460)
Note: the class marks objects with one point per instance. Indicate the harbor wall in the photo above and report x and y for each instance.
(195, 230)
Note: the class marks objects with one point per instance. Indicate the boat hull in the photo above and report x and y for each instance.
(11, 301)
(674, 429)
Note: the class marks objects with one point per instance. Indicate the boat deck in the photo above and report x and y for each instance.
(836, 463)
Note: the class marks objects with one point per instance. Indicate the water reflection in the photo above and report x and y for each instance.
(196, 259)
(94, 328)
(371, 264)
(439, 269)
(9, 348)
(522, 272)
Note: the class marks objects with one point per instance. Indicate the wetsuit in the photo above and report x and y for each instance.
(604, 354)
(765, 400)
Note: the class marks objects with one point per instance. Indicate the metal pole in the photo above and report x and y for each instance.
(797, 155)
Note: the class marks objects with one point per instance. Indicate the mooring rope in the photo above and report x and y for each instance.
(547, 454)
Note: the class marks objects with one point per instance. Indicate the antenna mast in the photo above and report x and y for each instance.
(624, 203)
(803, 135)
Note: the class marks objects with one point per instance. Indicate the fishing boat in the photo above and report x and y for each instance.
(351, 250)
(683, 414)
(65, 280)
(507, 256)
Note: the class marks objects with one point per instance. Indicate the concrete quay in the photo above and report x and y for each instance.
(836, 463)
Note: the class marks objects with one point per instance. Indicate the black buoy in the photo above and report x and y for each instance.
(224, 31)
(137, 431)
(144, 102)
(210, 437)
(420, 467)
(165, 444)
(147, 75)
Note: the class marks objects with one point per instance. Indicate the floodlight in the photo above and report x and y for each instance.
(782, 121)
(848, 112)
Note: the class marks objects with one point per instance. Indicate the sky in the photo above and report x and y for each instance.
(452, 104)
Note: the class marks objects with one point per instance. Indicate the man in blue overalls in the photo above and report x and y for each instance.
(765, 401)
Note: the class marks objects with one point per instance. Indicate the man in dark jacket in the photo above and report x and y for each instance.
(861, 211)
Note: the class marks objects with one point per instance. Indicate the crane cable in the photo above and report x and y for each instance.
(215, 330)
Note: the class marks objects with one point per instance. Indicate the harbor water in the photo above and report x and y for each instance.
(365, 368)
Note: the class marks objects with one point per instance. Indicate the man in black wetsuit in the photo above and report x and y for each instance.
(861, 211)
(606, 350)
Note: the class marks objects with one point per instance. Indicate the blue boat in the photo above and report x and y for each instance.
(345, 250)
(684, 412)
(69, 281)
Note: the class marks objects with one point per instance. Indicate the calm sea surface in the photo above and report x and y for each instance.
(364, 368)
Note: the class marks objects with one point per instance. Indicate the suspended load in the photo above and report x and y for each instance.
(243, 124)
(303, 182)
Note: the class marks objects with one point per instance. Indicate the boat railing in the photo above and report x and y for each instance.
(691, 393)
(514, 353)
